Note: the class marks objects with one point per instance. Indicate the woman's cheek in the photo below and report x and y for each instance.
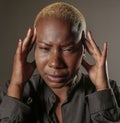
(41, 60)
(74, 62)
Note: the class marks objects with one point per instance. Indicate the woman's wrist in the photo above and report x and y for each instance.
(15, 91)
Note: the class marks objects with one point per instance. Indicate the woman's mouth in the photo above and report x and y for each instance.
(57, 79)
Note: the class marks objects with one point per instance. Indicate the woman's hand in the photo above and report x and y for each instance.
(22, 70)
(97, 71)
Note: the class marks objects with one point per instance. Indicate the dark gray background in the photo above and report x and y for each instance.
(102, 16)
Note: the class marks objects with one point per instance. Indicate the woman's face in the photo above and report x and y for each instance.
(57, 53)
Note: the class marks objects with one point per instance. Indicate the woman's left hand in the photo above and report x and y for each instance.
(97, 71)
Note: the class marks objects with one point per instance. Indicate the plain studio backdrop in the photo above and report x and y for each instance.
(102, 16)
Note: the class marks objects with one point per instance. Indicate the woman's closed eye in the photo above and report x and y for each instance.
(44, 48)
(68, 50)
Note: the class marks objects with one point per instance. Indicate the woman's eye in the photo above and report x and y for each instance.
(44, 48)
(68, 49)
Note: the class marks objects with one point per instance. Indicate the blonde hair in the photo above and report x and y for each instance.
(64, 11)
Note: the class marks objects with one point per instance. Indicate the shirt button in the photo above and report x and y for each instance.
(29, 100)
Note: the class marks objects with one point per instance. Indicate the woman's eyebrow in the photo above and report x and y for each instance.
(44, 42)
(71, 43)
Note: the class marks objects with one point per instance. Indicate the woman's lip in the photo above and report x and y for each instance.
(56, 78)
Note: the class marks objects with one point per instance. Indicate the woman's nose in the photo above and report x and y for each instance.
(56, 61)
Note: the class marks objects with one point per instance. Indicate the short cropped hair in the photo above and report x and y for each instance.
(66, 12)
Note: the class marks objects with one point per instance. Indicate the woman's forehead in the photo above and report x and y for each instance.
(55, 28)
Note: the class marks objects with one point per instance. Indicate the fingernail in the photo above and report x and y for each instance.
(20, 40)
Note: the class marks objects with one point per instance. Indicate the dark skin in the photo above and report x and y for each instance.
(57, 57)
(57, 54)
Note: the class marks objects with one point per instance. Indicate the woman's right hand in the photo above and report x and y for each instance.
(22, 70)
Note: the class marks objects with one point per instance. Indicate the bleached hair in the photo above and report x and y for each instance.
(64, 11)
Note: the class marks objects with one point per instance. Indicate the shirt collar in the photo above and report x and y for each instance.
(51, 99)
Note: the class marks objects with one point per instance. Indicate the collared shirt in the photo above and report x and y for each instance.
(83, 104)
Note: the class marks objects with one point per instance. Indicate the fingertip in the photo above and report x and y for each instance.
(29, 30)
(19, 47)
(89, 34)
(105, 50)
(105, 45)
(19, 42)
(29, 33)
(35, 32)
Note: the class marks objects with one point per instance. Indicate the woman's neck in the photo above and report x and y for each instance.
(61, 93)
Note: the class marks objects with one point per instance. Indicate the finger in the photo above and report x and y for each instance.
(88, 47)
(90, 50)
(90, 36)
(19, 50)
(34, 35)
(33, 39)
(86, 65)
(28, 39)
(96, 49)
(104, 52)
